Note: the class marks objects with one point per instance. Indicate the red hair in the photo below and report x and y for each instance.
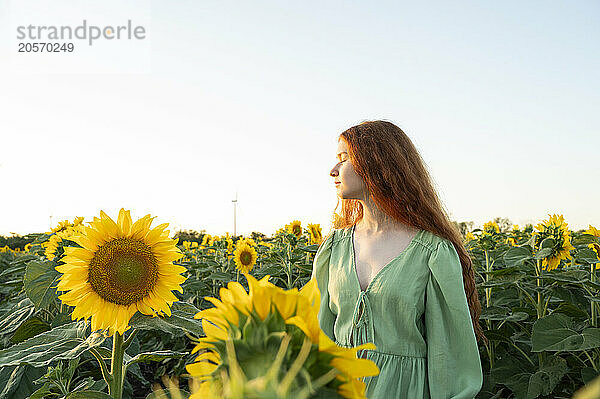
(400, 185)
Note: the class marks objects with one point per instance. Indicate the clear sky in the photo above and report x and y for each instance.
(501, 99)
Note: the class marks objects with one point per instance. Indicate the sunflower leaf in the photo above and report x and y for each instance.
(155, 356)
(65, 342)
(557, 333)
(309, 248)
(516, 256)
(88, 395)
(30, 328)
(18, 381)
(544, 253)
(39, 283)
(181, 320)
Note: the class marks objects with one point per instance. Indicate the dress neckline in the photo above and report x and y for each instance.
(412, 242)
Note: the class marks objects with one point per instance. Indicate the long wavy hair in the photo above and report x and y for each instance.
(400, 185)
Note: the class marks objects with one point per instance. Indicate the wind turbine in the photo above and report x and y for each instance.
(234, 209)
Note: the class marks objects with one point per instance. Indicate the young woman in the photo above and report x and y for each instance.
(394, 272)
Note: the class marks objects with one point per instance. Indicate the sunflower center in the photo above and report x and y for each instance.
(123, 271)
(246, 258)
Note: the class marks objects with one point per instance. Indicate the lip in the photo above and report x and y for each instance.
(337, 182)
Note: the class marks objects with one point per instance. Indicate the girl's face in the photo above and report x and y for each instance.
(351, 185)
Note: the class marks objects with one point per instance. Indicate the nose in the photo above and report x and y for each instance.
(334, 171)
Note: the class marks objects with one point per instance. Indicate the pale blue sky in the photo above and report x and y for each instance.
(501, 99)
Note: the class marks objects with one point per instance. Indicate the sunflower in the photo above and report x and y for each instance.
(490, 227)
(65, 224)
(469, 236)
(264, 243)
(121, 268)
(315, 233)
(294, 228)
(229, 241)
(51, 246)
(556, 228)
(594, 246)
(247, 240)
(27, 247)
(54, 247)
(244, 257)
(255, 323)
(205, 239)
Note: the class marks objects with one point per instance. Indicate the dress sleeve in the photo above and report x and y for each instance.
(453, 362)
(321, 273)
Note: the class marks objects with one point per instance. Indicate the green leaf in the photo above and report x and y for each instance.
(516, 256)
(17, 382)
(556, 333)
(543, 253)
(494, 313)
(43, 392)
(586, 256)
(30, 328)
(309, 248)
(502, 272)
(64, 342)
(181, 320)
(15, 316)
(220, 276)
(571, 310)
(584, 239)
(575, 276)
(588, 374)
(155, 356)
(171, 393)
(518, 316)
(512, 372)
(23, 259)
(548, 243)
(543, 381)
(88, 395)
(39, 281)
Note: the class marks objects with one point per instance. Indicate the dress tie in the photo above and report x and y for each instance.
(362, 323)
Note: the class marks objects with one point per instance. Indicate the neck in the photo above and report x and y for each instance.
(375, 221)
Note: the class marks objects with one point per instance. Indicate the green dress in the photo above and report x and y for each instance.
(415, 312)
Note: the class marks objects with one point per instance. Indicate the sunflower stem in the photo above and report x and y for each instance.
(118, 377)
(593, 304)
(129, 339)
(284, 387)
(105, 374)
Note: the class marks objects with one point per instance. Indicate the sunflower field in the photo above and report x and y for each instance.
(118, 308)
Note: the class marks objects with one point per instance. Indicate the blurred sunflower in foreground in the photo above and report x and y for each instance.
(553, 234)
(121, 268)
(268, 343)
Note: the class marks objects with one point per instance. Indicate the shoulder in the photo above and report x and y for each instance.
(432, 242)
(337, 235)
(328, 240)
